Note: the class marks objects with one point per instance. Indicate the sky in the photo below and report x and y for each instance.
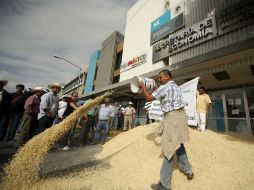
(32, 31)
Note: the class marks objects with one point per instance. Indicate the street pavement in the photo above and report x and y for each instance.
(58, 161)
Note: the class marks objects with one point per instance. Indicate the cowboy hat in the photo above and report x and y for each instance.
(5, 82)
(107, 100)
(54, 85)
(38, 89)
(65, 96)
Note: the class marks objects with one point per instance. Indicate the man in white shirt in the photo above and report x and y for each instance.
(106, 112)
(48, 108)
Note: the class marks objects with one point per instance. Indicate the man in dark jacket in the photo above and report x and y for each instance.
(5, 104)
(17, 109)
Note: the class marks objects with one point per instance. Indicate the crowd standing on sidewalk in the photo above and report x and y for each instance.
(26, 114)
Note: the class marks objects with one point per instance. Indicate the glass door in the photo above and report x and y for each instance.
(236, 112)
(215, 120)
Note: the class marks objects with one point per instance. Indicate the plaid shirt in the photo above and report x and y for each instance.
(170, 96)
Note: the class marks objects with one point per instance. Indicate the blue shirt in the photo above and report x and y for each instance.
(170, 96)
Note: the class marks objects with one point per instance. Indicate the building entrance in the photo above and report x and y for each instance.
(230, 112)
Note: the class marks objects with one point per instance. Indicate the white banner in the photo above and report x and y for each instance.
(155, 111)
(189, 90)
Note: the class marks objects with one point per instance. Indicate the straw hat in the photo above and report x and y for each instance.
(130, 103)
(107, 100)
(54, 85)
(3, 81)
(65, 96)
(38, 89)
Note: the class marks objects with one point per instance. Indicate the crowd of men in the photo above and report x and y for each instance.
(30, 113)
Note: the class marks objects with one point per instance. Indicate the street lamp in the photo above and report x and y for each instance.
(58, 57)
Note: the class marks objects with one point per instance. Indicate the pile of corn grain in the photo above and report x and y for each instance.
(132, 161)
(22, 171)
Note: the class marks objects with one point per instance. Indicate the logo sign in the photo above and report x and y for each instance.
(165, 25)
(161, 21)
(134, 62)
(236, 16)
(189, 37)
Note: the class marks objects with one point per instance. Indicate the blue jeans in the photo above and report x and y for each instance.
(101, 126)
(167, 166)
(15, 121)
(114, 122)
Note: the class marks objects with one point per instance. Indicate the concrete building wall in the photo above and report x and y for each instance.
(106, 64)
(137, 36)
(91, 72)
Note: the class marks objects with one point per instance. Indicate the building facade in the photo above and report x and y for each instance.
(75, 85)
(207, 38)
(109, 64)
(91, 72)
(104, 66)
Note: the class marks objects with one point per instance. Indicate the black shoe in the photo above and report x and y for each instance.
(190, 176)
(158, 186)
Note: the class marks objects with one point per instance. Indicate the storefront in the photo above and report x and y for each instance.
(233, 110)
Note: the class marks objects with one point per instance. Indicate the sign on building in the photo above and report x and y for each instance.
(134, 62)
(191, 36)
(169, 22)
(235, 16)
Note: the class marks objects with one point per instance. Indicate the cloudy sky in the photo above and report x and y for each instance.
(32, 31)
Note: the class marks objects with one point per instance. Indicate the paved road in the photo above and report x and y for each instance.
(58, 161)
(7, 150)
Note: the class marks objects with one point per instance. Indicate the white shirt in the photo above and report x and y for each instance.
(62, 108)
(49, 101)
(106, 112)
